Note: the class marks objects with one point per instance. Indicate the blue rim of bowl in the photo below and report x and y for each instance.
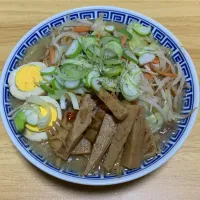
(110, 180)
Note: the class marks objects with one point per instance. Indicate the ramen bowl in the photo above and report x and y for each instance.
(123, 16)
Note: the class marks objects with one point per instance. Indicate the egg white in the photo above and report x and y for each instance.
(42, 136)
(18, 93)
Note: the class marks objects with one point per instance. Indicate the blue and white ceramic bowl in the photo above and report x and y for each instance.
(164, 36)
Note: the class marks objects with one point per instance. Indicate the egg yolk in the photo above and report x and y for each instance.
(27, 77)
(54, 116)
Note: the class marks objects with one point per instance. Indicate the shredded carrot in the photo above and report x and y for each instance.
(173, 75)
(80, 29)
(52, 54)
(148, 76)
(152, 67)
(156, 60)
(168, 70)
(123, 40)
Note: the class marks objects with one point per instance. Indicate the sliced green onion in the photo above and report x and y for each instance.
(43, 120)
(136, 79)
(91, 46)
(88, 41)
(109, 84)
(56, 85)
(137, 41)
(109, 54)
(42, 82)
(133, 68)
(48, 78)
(47, 88)
(93, 51)
(96, 83)
(48, 71)
(31, 117)
(125, 32)
(105, 39)
(56, 95)
(112, 71)
(72, 72)
(130, 56)
(146, 58)
(73, 100)
(84, 81)
(72, 84)
(92, 74)
(142, 30)
(155, 121)
(114, 46)
(151, 119)
(20, 120)
(134, 74)
(63, 104)
(79, 91)
(110, 28)
(142, 50)
(74, 49)
(59, 80)
(112, 62)
(129, 91)
(80, 63)
(80, 40)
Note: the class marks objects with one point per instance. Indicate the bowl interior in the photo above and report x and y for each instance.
(111, 14)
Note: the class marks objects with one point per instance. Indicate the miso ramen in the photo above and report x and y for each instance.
(97, 97)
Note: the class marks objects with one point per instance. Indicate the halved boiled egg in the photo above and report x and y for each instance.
(32, 131)
(23, 80)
